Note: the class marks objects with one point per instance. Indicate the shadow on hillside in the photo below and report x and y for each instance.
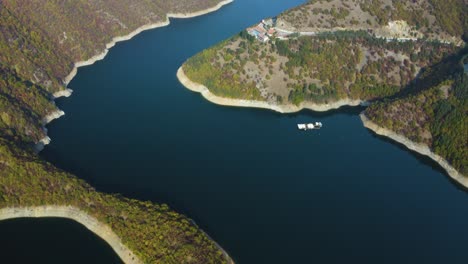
(433, 75)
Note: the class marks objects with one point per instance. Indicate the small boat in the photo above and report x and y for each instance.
(310, 126)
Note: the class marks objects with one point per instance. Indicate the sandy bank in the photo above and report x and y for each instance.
(68, 212)
(286, 108)
(201, 12)
(62, 93)
(420, 148)
(52, 116)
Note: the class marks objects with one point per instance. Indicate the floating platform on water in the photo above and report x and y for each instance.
(310, 126)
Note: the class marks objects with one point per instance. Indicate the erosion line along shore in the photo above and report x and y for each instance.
(73, 213)
(284, 108)
(420, 148)
(100, 229)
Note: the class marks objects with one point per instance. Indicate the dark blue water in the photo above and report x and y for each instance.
(265, 191)
(51, 241)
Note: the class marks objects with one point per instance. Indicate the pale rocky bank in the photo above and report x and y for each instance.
(73, 213)
(283, 108)
(420, 148)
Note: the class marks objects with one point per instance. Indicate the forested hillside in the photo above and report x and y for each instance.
(320, 69)
(436, 115)
(22, 107)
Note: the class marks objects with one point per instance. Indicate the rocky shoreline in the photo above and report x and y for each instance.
(417, 147)
(63, 93)
(46, 120)
(285, 108)
(73, 213)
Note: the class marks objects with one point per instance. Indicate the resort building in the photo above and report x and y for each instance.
(264, 31)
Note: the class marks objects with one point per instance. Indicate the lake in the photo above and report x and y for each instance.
(265, 191)
(52, 241)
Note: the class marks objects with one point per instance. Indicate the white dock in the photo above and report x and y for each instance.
(310, 126)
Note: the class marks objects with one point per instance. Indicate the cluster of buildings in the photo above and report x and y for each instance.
(264, 31)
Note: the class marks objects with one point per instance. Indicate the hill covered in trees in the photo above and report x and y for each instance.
(320, 69)
(40, 41)
(434, 111)
(401, 56)
(155, 233)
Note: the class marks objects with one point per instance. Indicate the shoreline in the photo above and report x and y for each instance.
(39, 146)
(72, 213)
(228, 258)
(417, 147)
(285, 108)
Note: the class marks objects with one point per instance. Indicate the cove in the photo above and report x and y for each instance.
(52, 241)
(266, 192)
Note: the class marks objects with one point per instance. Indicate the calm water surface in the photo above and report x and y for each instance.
(51, 241)
(265, 191)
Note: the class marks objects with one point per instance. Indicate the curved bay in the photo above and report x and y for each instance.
(52, 240)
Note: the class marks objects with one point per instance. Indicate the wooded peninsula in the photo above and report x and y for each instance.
(405, 59)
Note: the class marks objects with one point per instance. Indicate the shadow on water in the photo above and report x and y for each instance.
(345, 110)
(423, 159)
(23, 241)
